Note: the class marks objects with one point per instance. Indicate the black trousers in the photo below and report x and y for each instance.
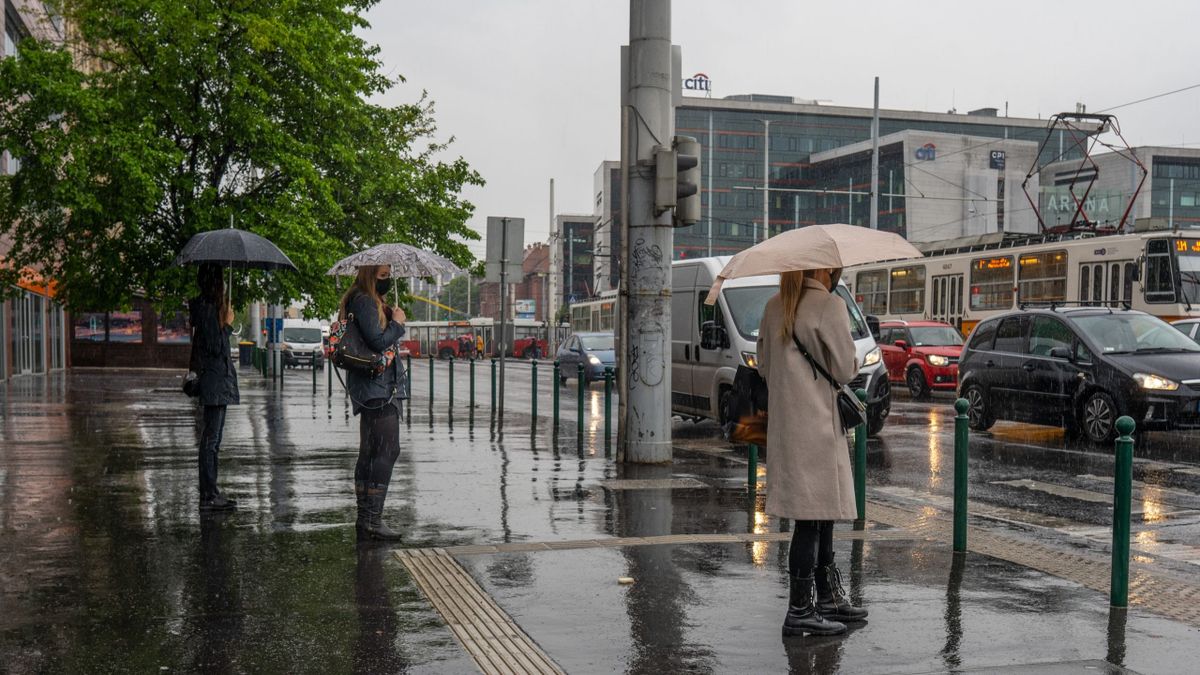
(812, 545)
(378, 444)
(210, 446)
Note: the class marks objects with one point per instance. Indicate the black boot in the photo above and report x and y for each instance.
(216, 502)
(375, 529)
(832, 600)
(802, 617)
(360, 496)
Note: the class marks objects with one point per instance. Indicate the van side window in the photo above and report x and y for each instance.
(1010, 336)
(708, 313)
(984, 335)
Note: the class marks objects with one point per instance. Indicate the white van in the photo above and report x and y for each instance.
(709, 342)
(303, 343)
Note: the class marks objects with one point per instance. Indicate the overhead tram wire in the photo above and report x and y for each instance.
(1150, 98)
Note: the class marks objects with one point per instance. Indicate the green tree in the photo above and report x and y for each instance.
(164, 118)
(454, 294)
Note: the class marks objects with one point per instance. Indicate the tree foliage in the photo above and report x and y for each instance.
(163, 118)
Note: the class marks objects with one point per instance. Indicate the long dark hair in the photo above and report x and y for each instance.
(364, 282)
(212, 289)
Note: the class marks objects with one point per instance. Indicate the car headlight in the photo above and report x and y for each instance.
(937, 360)
(751, 359)
(872, 357)
(593, 360)
(1155, 382)
(287, 347)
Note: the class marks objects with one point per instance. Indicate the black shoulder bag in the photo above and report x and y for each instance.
(851, 410)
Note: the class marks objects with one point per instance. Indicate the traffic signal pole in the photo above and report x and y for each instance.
(647, 122)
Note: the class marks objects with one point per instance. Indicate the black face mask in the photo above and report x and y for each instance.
(382, 286)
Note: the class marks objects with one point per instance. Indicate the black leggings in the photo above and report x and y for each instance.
(812, 545)
(378, 445)
(210, 447)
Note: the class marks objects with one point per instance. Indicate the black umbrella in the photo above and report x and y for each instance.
(233, 248)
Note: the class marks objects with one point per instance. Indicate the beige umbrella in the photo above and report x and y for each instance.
(812, 248)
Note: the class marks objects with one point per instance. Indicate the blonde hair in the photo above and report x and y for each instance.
(791, 289)
(364, 282)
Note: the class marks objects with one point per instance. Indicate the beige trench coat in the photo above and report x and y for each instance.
(808, 460)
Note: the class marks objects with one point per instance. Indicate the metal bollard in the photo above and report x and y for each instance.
(860, 462)
(328, 379)
(450, 407)
(608, 381)
(408, 374)
(1122, 486)
(314, 369)
(556, 387)
(579, 403)
(752, 469)
(533, 365)
(431, 357)
(493, 387)
(961, 441)
(471, 368)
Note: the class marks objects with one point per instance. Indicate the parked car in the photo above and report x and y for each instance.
(923, 355)
(303, 343)
(1189, 327)
(596, 351)
(1081, 368)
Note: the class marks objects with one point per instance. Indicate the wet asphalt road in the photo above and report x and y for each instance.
(105, 564)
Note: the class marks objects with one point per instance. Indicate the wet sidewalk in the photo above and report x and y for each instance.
(517, 539)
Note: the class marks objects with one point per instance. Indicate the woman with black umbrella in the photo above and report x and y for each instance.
(212, 320)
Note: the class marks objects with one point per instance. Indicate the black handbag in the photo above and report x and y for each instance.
(851, 410)
(746, 407)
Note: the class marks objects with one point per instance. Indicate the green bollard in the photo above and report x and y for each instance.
(752, 470)
(860, 462)
(533, 364)
(328, 378)
(579, 406)
(556, 385)
(1122, 486)
(960, 474)
(472, 372)
(450, 407)
(431, 357)
(493, 387)
(608, 379)
(408, 374)
(314, 369)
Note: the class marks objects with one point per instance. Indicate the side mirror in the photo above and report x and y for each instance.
(873, 325)
(902, 344)
(1060, 353)
(713, 336)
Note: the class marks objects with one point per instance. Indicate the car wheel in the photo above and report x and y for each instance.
(1099, 418)
(916, 383)
(979, 415)
(724, 400)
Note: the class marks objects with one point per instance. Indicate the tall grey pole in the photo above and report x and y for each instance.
(766, 228)
(503, 341)
(551, 314)
(875, 161)
(647, 417)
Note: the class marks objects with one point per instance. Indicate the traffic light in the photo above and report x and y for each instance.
(677, 180)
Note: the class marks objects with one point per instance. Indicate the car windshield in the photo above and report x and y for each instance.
(302, 335)
(747, 303)
(1124, 333)
(935, 336)
(598, 343)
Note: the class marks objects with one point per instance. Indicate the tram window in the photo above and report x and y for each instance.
(1042, 277)
(1160, 278)
(1085, 282)
(991, 283)
(872, 291)
(1130, 269)
(908, 290)
(1114, 284)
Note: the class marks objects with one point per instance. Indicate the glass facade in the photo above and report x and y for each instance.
(732, 166)
(578, 242)
(1175, 190)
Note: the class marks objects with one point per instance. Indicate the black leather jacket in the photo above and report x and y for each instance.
(210, 356)
(364, 388)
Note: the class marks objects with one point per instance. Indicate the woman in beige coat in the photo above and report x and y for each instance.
(808, 462)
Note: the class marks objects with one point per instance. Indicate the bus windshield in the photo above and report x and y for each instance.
(302, 335)
(747, 303)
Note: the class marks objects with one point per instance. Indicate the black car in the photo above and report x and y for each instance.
(1081, 368)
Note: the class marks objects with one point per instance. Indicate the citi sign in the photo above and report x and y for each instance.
(926, 152)
(698, 82)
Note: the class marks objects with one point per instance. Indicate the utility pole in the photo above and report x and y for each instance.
(647, 121)
(875, 161)
(555, 266)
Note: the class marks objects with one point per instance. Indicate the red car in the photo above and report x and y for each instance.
(921, 354)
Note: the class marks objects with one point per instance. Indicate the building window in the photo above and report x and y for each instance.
(173, 329)
(908, 290)
(125, 327)
(1042, 277)
(871, 291)
(90, 327)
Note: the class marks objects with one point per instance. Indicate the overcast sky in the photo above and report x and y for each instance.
(529, 88)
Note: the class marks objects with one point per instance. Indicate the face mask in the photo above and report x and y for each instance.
(382, 286)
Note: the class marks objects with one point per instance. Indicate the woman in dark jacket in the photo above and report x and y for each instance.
(375, 398)
(211, 319)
